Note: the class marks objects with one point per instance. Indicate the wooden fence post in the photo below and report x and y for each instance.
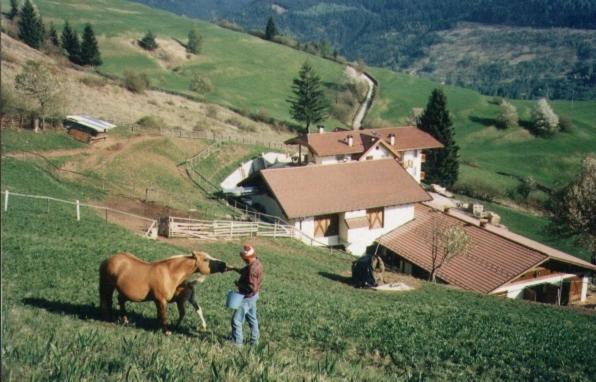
(78, 211)
(5, 200)
(231, 229)
(275, 230)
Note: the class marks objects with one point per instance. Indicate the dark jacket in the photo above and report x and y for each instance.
(251, 277)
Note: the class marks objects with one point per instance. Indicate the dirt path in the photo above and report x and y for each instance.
(362, 110)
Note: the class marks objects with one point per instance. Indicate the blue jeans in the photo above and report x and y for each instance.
(247, 311)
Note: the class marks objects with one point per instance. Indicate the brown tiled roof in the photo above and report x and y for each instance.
(492, 261)
(323, 189)
(335, 143)
(359, 222)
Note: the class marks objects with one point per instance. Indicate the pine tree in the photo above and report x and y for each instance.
(195, 41)
(30, 26)
(71, 44)
(148, 41)
(270, 29)
(89, 50)
(308, 103)
(53, 35)
(14, 9)
(442, 165)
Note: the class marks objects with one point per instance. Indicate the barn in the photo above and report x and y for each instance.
(87, 129)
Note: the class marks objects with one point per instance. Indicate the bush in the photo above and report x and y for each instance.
(527, 185)
(148, 41)
(212, 111)
(544, 120)
(200, 84)
(151, 122)
(566, 124)
(136, 82)
(478, 189)
(94, 81)
(507, 117)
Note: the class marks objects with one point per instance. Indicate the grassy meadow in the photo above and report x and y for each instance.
(313, 325)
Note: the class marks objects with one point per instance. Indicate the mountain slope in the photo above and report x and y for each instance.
(418, 37)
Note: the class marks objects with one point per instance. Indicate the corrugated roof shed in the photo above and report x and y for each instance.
(325, 189)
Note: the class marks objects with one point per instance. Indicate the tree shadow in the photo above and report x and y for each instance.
(484, 121)
(91, 312)
(335, 277)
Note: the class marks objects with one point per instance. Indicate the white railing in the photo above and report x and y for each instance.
(150, 232)
(222, 229)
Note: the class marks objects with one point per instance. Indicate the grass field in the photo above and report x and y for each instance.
(253, 75)
(314, 326)
(15, 140)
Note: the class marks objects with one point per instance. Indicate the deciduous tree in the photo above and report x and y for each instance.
(507, 115)
(574, 208)
(447, 242)
(544, 120)
(37, 82)
(308, 103)
(442, 165)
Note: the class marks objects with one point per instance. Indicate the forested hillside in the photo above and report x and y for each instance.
(418, 37)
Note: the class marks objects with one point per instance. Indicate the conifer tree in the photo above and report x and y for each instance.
(30, 26)
(442, 165)
(270, 29)
(308, 103)
(14, 9)
(71, 44)
(148, 41)
(195, 42)
(89, 50)
(53, 35)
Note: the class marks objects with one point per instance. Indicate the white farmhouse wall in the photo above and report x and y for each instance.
(413, 157)
(327, 160)
(516, 289)
(358, 239)
(379, 152)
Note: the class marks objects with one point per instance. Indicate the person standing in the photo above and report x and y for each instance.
(249, 285)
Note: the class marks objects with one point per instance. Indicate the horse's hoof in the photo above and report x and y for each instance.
(203, 328)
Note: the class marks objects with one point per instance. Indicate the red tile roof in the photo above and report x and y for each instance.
(492, 261)
(497, 256)
(336, 143)
(325, 189)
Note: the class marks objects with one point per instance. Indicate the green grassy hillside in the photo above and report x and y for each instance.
(253, 75)
(314, 326)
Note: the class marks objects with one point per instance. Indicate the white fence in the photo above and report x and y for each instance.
(221, 229)
(148, 229)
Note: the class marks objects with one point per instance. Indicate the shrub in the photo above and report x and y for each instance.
(212, 111)
(200, 84)
(151, 122)
(566, 124)
(527, 185)
(136, 82)
(148, 41)
(507, 115)
(94, 81)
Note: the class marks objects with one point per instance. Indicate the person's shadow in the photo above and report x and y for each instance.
(335, 277)
(91, 312)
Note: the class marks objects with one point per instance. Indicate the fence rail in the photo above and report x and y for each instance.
(150, 232)
(172, 226)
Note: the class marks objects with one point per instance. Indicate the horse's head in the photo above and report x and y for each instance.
(207, 264)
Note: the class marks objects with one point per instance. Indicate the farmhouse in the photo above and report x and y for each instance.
(406, 144)
(348, 204)
(500, 262)
(87, 129)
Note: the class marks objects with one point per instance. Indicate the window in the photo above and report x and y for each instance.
(376, 217)
(326, 225)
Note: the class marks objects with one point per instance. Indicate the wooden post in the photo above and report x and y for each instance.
(5, 200)
(232, 229)
(78, 211)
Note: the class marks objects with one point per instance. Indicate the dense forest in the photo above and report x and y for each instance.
(404, 35)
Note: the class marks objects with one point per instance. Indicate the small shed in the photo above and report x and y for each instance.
(87, 129)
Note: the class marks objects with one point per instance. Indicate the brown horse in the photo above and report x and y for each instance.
(137, 280)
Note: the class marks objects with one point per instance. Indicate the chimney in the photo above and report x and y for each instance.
(321, 129)
(392, 139)
(350, 140)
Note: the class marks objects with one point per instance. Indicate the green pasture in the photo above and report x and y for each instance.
(24, 140)
(313, 325)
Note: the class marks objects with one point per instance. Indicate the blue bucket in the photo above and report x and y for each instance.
(234, 300)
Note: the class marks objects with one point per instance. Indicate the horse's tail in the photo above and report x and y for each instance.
(106, 290)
